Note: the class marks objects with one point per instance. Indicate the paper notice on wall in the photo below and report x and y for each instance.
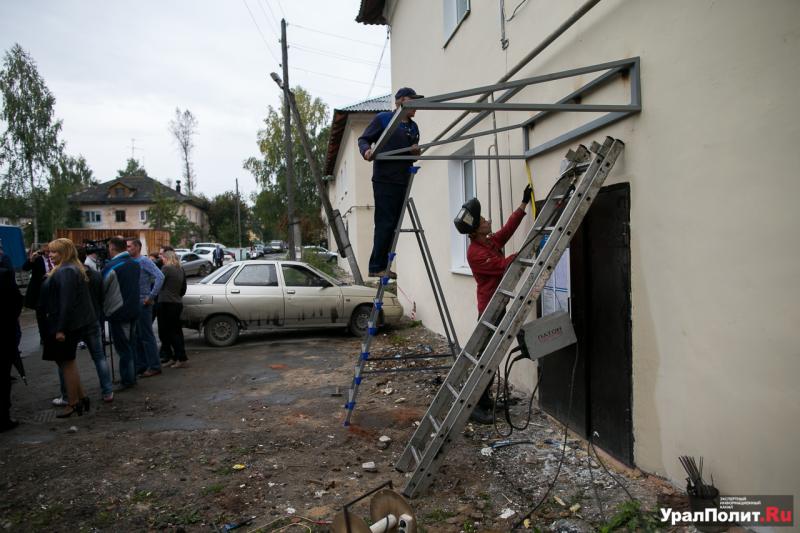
(556, 293)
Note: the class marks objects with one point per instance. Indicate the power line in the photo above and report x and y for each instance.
(378, 68)
(336, 35)
(273, 20)
(335, 77)
(335, 55)
(261, 33)
(281, 8)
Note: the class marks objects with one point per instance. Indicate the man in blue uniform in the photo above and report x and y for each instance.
(389, 178)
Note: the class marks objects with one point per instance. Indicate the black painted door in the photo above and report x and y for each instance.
(601, 403)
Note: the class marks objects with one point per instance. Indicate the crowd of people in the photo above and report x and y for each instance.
(75, 295)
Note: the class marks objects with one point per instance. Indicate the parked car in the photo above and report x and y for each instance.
(207, 245)
(195, 265)
(276, 247)
(321, 252)
(264, 294)
(227, 257)
(181, 251)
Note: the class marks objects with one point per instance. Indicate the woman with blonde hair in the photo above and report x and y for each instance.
(170, 305)
(66, 304)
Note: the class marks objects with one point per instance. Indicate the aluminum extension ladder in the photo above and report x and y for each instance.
(564, 210)
(372, 326)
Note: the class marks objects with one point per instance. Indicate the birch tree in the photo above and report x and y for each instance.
(183, 128)
(29, 146)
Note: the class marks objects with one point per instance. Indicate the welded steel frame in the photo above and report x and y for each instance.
(626, 68)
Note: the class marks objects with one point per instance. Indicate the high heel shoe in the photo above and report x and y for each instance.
(84, 403)
(74, 409)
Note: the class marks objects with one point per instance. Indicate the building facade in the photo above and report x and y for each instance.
(682, 286)
(350, 177)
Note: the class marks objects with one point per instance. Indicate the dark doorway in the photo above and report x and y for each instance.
(600, 275)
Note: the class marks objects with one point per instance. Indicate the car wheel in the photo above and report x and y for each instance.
(359, 320)
(221, 330)
(204, 271)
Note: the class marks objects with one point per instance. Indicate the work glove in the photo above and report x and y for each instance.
(526, 194)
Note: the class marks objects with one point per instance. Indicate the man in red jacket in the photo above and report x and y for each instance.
(488, 264)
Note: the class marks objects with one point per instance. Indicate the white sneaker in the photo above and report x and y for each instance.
(60, 402)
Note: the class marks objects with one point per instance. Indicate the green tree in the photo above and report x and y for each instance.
(67, 176)
(183, 128)
(222, 220)
(29, 146)
(270, 169)
(132, 168)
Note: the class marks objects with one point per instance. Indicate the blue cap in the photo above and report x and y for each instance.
(407, 91)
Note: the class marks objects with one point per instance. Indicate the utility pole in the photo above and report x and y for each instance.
(333, 215)
(294, 228)
(239, 217)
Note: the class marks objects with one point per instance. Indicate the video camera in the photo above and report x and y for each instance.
(99, 247)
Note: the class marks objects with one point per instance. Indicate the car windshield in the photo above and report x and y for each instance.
(324, 275)
(221, 272)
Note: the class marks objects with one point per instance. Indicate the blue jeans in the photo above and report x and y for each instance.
(124, 336)
(147, 357)
(94, 342)
(389, 199)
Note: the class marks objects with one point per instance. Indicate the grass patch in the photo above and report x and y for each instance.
(415, 324)
(396, 338)
(39, 519)
(631, 517)
(438, 515)
(215, 488)
(141, 496)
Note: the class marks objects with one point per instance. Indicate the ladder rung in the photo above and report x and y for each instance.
(544, 228)
(415, 453)
(452, 389)
(436, 425)
(489, 325)
(471, 360)
(529, 262)
(507, 293)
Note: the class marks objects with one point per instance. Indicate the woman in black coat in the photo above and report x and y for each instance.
(68, 314)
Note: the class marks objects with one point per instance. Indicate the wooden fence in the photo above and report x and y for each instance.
(152, 239)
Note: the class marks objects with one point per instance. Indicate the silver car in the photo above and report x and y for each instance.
(194, 265)
(262, 294)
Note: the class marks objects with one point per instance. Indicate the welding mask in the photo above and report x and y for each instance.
(469, 217)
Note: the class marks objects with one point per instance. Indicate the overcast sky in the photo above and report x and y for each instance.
(119, 68)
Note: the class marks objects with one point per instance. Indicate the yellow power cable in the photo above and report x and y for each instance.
(530, 182)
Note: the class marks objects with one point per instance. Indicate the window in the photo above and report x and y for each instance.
(92, 216)
(454, 13)
(297, 276)
(462, 188)
(223, 279)
(120, 215)
(189, 257)
(143, 215)
(119, 192)
(257, 276)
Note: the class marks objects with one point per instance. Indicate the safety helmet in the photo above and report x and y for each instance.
(469, 217)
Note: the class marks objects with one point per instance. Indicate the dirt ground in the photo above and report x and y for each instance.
(255, 431)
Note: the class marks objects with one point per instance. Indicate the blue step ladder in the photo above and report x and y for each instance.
(364, 359)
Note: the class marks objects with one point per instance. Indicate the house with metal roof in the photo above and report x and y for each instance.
(349, 176)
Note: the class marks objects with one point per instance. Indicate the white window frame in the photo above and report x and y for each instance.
(456, 176)
(453, 14)
(143, 215)
(92, 217)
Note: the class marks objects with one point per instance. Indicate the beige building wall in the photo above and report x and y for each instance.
(716, 303)
(351, 192)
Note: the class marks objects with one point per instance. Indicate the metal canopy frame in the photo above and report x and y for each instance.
(571, 103)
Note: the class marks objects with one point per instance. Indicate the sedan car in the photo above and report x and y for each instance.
(206, 253)
(262, 294)
(195, 265)
(322, 253)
